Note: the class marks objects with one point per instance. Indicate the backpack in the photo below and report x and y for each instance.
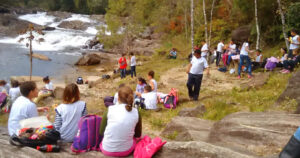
(171, 99)
(88, 137)
(108, 101)
(270, 65)
(146, 148)
(3, 100)
(79, 80)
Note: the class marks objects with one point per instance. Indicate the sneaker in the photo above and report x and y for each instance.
(239, 77)
(282, 70)
(286, 72)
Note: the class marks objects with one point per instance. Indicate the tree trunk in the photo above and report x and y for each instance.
(211, 15)
(30, 52)
(205, 21)
(192, 25)
(257, 27)
(283, 24)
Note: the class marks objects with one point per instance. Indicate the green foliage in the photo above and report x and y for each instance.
(219, 109)
(293, 16)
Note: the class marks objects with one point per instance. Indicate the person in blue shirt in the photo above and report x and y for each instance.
(173, 54)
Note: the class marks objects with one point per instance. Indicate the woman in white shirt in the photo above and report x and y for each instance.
(132, 65)
(120, 125)
(152, 81)
(294, 42)
(244, 56)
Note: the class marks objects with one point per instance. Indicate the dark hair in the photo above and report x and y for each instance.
(293, 30)
(14, 83)
(46, 79)
(216, 47)
(122, 85)
(258, 50)
(71, 94)
(126, 96)
(151, 73)
(2, 82)
(27, 87)
(131, 54)
(123, 54)
(142, 80)
(148, 88)
(198, 51)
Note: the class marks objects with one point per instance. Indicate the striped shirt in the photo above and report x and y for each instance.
(67, 117)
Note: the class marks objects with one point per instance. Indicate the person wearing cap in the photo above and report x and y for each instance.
(195, 74)
(45, 91)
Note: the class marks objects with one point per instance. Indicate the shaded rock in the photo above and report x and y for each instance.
(147, 33)
(192, 112)
(258, 133)
(292, 90)
(89, 59)
(241, 34)
(48, 28)
(58, 92)
(75, 25)
(257, 81)
(60, 15)
(188, 129)
(197, 149)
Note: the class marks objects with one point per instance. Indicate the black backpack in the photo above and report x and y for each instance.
(79, 80)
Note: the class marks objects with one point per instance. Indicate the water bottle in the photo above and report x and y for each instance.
(48, 148)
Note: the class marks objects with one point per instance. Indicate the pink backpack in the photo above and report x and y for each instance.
(88, 137)
(146, 148)
(171, 99)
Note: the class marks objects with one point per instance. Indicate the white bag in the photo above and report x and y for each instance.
(35, 122)
(232, 71)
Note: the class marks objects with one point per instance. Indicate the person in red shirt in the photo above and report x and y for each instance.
(123, 65)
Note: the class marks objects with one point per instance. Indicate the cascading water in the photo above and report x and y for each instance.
(63, 46)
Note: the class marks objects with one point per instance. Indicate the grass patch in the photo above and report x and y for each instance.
(172, 136)
(219, 109)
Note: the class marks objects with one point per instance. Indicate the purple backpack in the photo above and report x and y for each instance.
(88, 137)
(108, 101)
(3, 97)
(270, 65)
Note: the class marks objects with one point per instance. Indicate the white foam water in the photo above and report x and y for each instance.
(41, 18)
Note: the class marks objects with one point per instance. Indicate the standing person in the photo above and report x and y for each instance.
(195, 72)
(69, 113)
(294, 43)
(204, 49)
(14, 91)
(244, 55)
(219, 52)
(120, 126)
(24, 107)
(123, 65)
(152, 81)
(231, 51)
(132, 65)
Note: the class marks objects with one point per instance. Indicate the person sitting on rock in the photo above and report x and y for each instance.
(120, 126)
(116, 96)
(258, 60)
(291, 63)
(173, 54)
(14, 91)
(140, 86)
(45, 91)
(152, 81)
(69, 113)
(24, 107)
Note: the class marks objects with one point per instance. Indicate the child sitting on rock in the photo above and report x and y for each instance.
(120, 125)
(150, 98)
(46, 91)
(69, 113)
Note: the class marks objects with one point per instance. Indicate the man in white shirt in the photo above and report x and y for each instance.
(132, 65)
(195, 72)
(204, 49)
(23, 107)
(219, 52)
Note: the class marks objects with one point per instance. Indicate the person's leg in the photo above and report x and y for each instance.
(218, 58)
(131, 71)
(248, 60)
(285, 64)
(134, 68)
(198, 81)
(290, 55)
(229, 59)
(190, 84)
(240, 64)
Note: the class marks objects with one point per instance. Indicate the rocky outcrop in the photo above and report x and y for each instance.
(197, 149)
(188, 129)
(88, 59)
(241, 34)
(292, 90)
(192, 112)
(75, 25)
(144, 47)
(256, 82)
(257, 133)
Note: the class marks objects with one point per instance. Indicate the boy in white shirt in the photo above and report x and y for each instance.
(150, 98)
(132, 65)
(23, 107)
(195, 72)
(219, 51)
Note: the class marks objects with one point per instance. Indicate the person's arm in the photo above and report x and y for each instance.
(42, 109)
(261, 59)
(58, 121)
(138, 127)
(188, 68)
(103, 124)
(152, 85)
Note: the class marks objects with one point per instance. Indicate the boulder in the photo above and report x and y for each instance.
(258, 133)
(192, 112)
(292, 90)
(60, 15)
(241, 34)
(197, 149)
(147, 33)
(92, 42)
(256, 82)
(75, 25)
(88, 59)
(58, 92)
(188, 129)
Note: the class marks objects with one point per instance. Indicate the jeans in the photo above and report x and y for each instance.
(194, 85)
(229, 58)
(248, 61)
(132, 71)
(218, 58)
(123, 73)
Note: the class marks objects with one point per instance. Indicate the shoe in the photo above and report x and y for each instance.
(239, 77)
(249, 76)
(282, 70)
(286, 72)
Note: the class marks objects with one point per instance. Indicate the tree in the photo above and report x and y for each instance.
(30, 38)
(192, 25)
(205, 21)
(211, 16)
(257, 26)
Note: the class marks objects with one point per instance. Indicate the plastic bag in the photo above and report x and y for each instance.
(146, 148)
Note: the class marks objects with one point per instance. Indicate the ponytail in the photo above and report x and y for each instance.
(126, 96)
